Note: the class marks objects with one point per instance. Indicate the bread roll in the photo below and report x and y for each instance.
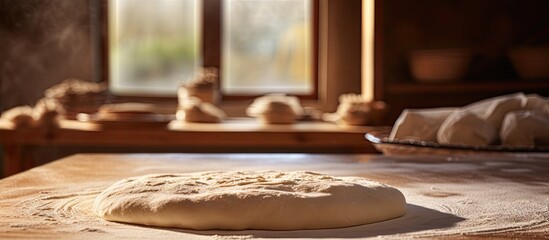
(276, 109)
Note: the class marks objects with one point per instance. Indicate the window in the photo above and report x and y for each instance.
(265, 45)
(153, 45)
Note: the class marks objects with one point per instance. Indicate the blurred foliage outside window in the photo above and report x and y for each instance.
(154, 45)
(267, 46)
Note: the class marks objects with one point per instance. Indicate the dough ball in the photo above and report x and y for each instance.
(354, 113)
(493, 110)
(479, 123)
(354, 109)
(203, 87)
(277, 112)
(269, 200)
(525, 128)
(194, 110)
(537, 103)
(466, 128)
(420, 124)
(276, 109)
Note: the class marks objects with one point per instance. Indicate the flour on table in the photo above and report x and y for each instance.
(233, 200)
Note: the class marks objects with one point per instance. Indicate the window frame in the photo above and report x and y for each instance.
(210, 49)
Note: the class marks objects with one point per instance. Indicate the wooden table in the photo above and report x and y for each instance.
(472, 197)
(234, 135)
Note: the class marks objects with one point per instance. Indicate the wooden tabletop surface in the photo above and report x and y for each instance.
(460, 197)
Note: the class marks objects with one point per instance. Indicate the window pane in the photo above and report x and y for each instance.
(153, 45)
(267, 47)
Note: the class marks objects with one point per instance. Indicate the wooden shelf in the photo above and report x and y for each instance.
(234, 135)
(457, 87)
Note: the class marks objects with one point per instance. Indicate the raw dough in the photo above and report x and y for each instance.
(479, 123)
(537, 103)
(194, 110)
(268, 200)
(203, 87)
(525, 128)
(276, 109)
(420, 124)
(463, 127)
(493, 110)
(354, 109)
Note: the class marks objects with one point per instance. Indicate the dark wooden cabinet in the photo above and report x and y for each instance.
(488, 29)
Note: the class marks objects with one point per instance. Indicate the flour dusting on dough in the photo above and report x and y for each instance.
(239, 200)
